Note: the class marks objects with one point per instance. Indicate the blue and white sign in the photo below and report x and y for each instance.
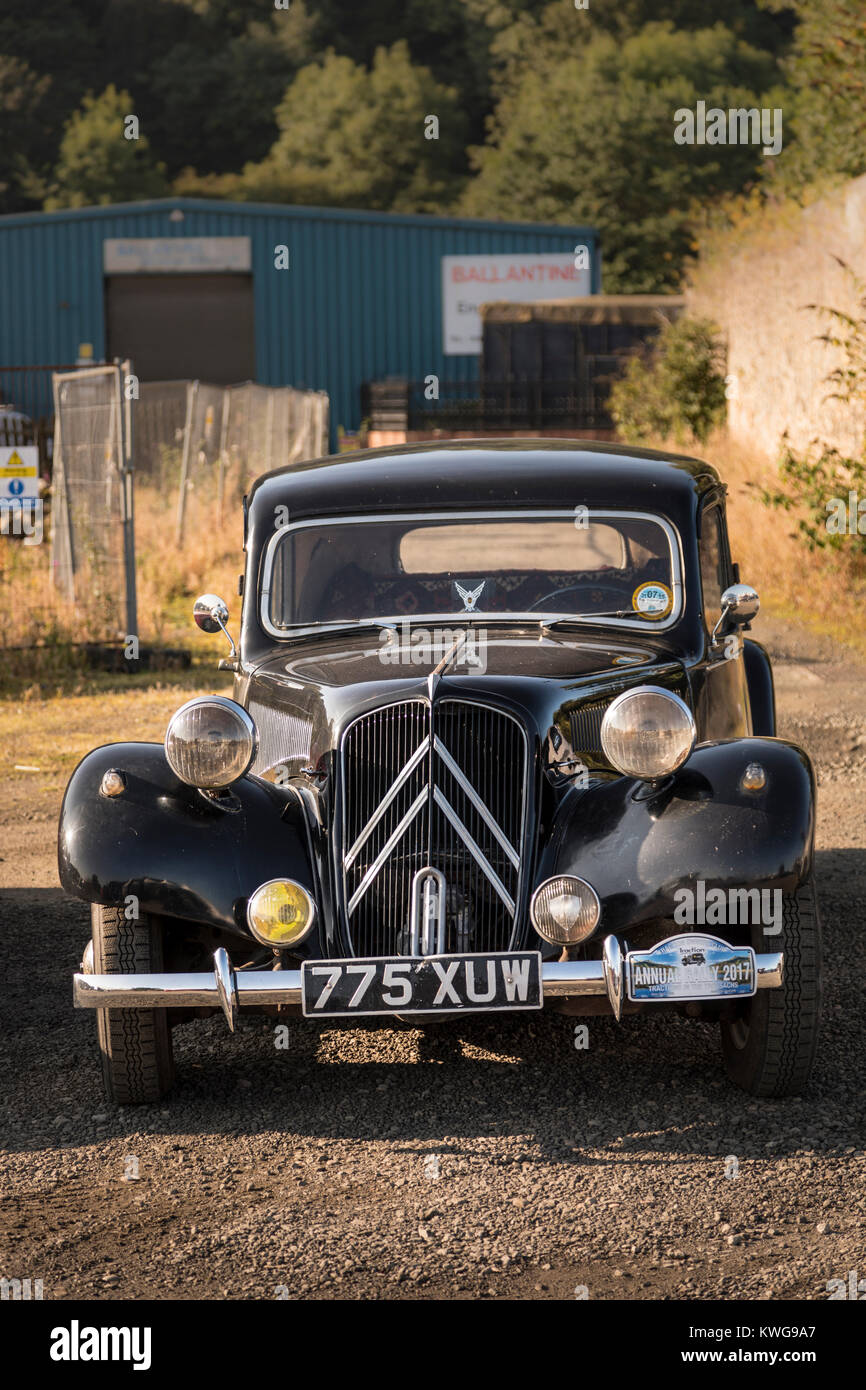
(19, 472)
(152, 255)
(690, 967)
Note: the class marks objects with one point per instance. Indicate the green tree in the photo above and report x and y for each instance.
(353, 137)
(98, 163)
(590, 139)
(827, 76)
(22, 122)
(211, 100)
(676, 389)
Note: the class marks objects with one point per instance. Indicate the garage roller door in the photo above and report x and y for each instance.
(183, 326)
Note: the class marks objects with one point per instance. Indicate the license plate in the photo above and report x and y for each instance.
(421, 985)
(690, 967)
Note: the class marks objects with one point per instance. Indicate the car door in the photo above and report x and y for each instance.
(721, 692)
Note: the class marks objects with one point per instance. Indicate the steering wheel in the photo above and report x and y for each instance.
(582, 585)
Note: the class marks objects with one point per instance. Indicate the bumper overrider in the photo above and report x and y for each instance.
(229, 990)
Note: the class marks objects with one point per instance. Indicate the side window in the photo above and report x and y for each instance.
(714, 567)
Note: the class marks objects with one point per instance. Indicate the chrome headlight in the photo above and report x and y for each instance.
(565, 910)
(210, 742)
(647, 732)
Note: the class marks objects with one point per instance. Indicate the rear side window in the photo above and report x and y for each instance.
(714, 565)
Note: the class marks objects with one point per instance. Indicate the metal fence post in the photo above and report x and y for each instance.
(192, 390)
(125, 370)
(224, 434)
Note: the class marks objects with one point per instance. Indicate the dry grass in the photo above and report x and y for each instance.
(819, 590)
(46, 730)
(170, 577)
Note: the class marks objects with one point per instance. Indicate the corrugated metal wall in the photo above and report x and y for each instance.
(361, 300)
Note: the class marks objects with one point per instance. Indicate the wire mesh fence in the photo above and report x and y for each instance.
(193, 449)
(226, 438)
(91, 563)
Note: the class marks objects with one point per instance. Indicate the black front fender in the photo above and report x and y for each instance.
(637, 850)
(180, 854)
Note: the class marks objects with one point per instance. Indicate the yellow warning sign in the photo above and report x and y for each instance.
(20, 462)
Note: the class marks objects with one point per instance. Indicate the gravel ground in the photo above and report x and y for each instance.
(495, 1161)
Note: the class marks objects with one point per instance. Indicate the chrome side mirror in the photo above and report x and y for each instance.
(740, 604)
(211, 614)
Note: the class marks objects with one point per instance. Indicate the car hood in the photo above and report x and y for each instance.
(368, 657)
(305, 695)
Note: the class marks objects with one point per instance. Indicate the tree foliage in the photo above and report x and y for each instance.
(589, 140)
(826, 73)
(358, 137)
(98, 163)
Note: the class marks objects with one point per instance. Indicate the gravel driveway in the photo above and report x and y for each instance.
(480, 1160)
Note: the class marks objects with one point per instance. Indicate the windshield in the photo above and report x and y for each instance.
(534, 564)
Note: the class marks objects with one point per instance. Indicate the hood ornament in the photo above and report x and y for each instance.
(470, 597)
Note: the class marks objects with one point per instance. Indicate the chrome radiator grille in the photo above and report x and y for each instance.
(452, 797)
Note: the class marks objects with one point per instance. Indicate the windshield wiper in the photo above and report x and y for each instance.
(588, 617)
(339, 629)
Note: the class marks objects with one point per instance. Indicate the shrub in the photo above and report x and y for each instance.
(674, 389)
(827, 484)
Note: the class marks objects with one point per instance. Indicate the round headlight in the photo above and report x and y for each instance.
(565, 910)
(210, 742)
(647, 732)
(280, 913)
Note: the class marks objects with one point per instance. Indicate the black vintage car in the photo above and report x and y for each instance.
(496, 734)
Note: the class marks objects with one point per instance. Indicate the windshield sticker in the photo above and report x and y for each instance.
(652, 600)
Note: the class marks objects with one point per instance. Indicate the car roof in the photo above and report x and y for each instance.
(457, 474)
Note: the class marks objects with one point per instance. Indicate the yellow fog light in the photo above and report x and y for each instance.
(280, 913)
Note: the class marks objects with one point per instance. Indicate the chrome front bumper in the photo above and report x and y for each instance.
(229, 989)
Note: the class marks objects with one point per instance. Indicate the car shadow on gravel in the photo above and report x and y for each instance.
(616, 1093)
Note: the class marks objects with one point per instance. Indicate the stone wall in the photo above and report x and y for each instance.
(755, 282)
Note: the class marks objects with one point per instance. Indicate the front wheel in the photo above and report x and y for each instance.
(769, 1044)
(135, 1044)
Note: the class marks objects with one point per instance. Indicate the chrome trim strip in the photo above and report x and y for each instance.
(613, 967)
(639, 625)
(377, 815)
(560, 979)
(439, 747)
(492, 877)
(226, 992)
(420, 942)
(419, 802)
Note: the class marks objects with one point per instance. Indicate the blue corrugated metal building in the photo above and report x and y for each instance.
(352, 297)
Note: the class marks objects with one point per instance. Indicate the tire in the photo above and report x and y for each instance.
(769, 1047)
(135, 1044)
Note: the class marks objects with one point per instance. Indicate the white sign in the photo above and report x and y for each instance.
(143, 255)
(19, 472)
(470, 281)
